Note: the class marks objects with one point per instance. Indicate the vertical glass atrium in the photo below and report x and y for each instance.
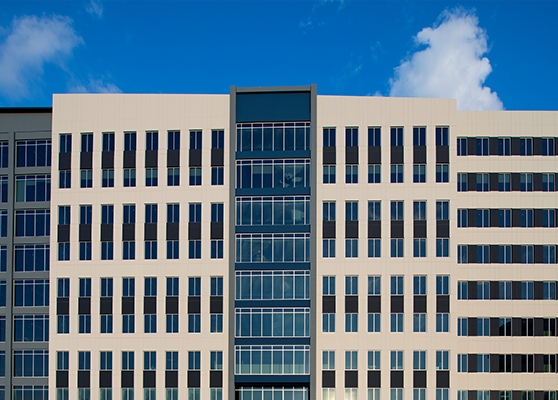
(272, 264)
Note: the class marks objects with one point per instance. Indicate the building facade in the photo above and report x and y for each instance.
(196, 250)
(25, 162)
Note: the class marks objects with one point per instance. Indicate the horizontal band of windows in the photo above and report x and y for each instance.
(32, 223)
(31, 328)
(506, 182)
(276, 322)
(31, 188)
(506, 290)
(506, 395)
(508, 326)
(267, 360)
(506, 254)
(33, 153)
(515, 363)
(31, 391)
(32, 258)
(254, 174)
(297, 393)
(30, 363)
(506, 218)
(277, 210)
(507, 146)
(277, 136)
(31, 293)
(272, 285)
(287, 247)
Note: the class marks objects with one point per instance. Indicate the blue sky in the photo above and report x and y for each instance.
(488, 55)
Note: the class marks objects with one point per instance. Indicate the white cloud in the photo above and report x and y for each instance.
(94, 86)
(31, 43)
(95, 7)
(451, 66)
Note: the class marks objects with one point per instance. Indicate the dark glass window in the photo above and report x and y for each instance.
(152, 140)
(130, 141)
(374, 137)
(86, 142)
(108, 141)
(217, 139)
(195, 140)
(351, 137)
(419, 136)
(329, 137)
(65, 143)
(173, 213)
(174, 140)
(33, 153)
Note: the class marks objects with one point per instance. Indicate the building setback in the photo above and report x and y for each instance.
(197, 254)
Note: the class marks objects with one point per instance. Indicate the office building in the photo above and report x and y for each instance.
(25, 161)
(197, 254)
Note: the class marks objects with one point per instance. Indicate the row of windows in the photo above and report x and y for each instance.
(29, 153)
(507, 326)
(27, 392)
(506, 254)
(396, 136)
(28, 258)
(421, 394)
(257, 174)
(31, 328)
(479, 363)
(506, 182)
(276, 247)
(30, 363)
(506, 218)
(129, 213)
(150, 287)
(276, 393)
(31, 223)
(373, 360)
(276, 285)
(149, 360)
(149, 323)
(29, 292)
(396, 173)
(151, 177)
(396, 248)
(506, 290)
(373, 322)
(272, 322)
(277, 210)
(276, 360)
(396, 210)
(277, 136)
(150, 247)
(151, 141)
(29, 188)
(525, 146)
(374, 285)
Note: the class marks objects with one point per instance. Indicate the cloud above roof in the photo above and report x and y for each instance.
(451, 66)
(31, 43)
